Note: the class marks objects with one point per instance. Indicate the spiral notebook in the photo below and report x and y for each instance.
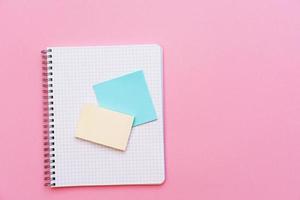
(69, 74)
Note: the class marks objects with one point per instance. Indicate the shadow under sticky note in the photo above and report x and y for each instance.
(103, 126)
(127, 94)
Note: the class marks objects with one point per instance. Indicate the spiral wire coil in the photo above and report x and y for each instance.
(48, 118)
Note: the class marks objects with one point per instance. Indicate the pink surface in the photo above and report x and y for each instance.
(232, 93)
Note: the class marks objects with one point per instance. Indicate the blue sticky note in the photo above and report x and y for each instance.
(127, 94)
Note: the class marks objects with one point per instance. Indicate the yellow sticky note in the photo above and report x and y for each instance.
(103, 126)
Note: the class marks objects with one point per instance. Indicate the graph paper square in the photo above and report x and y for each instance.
(80, 163)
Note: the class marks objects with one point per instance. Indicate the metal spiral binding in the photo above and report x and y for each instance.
(48, 118)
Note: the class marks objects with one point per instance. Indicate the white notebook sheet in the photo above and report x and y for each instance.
(72, 71)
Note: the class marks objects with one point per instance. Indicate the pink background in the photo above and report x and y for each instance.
(232, 93)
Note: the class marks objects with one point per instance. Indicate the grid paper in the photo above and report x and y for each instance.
(77, 162)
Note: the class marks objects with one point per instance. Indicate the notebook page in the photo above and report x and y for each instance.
(77, 162)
